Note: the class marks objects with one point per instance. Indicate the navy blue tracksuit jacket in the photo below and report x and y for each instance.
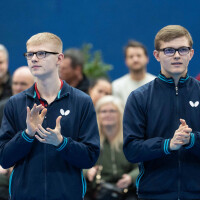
(152, 115)
(43, 171)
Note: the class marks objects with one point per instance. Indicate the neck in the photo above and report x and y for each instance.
(110, 132)
(138, 75)
(48, 88)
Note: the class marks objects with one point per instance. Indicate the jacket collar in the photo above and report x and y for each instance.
(170, 81)
(63, 92)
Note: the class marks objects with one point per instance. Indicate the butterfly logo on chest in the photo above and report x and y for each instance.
(194, 104)
(64, 113)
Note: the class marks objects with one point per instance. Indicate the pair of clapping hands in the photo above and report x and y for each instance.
(34, 120)
(181, 136)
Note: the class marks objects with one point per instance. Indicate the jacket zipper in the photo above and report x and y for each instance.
(179, 161)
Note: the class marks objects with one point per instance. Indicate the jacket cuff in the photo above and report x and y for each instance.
(192, 141)
(166, 146)
(27, 137)
(62, 145)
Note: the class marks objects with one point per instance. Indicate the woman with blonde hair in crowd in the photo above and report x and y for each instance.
(112, 175)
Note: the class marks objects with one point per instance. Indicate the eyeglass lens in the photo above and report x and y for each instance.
(171, 51)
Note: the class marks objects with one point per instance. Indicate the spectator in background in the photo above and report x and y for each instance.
(112, 169)
(5, 78)
(136, 59)
(22, 79)
(71, 70)
(99, 88)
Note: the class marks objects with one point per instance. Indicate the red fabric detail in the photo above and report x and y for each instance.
(38, 94)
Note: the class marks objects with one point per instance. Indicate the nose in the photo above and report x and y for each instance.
(176, 55)
(34, 58)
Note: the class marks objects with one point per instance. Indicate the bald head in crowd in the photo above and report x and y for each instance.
(22, 79)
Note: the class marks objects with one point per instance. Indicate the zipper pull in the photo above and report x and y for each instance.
(176, 88)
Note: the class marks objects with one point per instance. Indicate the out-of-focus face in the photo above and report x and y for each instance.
(136, 60)
(3, 64)
(66, 72)
(44, 67)
(21, 81)
(101, 89)
(108, 115)
(176, 65)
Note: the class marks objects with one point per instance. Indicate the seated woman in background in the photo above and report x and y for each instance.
(99, 88)
(113, 175)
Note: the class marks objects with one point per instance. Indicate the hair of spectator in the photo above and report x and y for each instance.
(135, 44)
(109, 99)
(94, 82)
(3, 48)
(76, 57)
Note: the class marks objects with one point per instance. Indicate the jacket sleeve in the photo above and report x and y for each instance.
(14, 144)
(136, 147)
(193, 145)
(134, 173)
(84, 152)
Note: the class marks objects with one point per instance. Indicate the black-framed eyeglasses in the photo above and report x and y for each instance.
(169, 51)
(39, 54)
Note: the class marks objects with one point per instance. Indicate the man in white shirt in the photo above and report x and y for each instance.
(136, 59)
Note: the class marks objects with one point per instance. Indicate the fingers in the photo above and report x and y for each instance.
(58, 122)
(43, 113)
(183, 122)
(42, 132)
(28, 113)
(36, 109)
(40, 139)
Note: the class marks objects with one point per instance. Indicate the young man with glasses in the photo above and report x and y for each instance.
(161, 123)
(49, 132)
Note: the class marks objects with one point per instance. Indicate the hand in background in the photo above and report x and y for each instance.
(91, 173)
(125, 181)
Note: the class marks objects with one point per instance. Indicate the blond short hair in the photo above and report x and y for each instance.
(172, 32)
(118, 140)
(46, 37)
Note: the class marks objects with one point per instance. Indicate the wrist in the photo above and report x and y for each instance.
(29, 133)
(60, 140)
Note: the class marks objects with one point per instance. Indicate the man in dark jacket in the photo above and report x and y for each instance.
(161, 123)
(71, 70)
(49, 132)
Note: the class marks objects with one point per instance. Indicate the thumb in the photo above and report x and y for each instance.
(58, 122)
(183, 122)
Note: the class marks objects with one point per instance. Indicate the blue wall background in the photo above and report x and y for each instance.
(107, 24)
